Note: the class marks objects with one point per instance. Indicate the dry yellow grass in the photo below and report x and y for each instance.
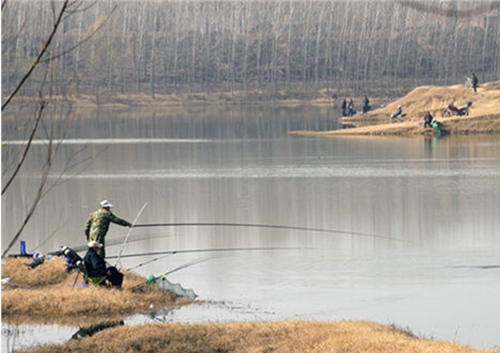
(47, 291)
(43, 292)
(252, 337)
(484, 115)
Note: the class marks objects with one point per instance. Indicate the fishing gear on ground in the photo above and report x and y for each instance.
(75, 262)
(36, 260)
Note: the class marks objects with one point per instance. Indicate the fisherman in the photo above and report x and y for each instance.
(475, 81)
(344, 107)
(397, 113)
(97, 225)
(428, 119)
(350, 108)
(96, 270)
(366, 104)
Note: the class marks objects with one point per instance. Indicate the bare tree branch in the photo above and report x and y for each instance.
(43, 105)
(35, 63)
(83, 41)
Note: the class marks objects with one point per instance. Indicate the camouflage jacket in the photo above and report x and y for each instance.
(97, 225)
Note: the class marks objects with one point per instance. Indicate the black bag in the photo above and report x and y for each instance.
(115, 277)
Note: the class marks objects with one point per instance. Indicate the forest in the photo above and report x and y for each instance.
(175, 47)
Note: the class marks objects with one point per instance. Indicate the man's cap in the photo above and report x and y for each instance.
(106, 203)
(94, 244)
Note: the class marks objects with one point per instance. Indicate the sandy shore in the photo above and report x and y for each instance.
(484, 117)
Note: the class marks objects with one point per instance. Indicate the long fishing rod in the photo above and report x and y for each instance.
(190, 251)
(148, 262)
(164, 275)
(266, 226)
(113, 242)
(128, 233)
(170, 253)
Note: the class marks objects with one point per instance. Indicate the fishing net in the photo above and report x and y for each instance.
(175, 288)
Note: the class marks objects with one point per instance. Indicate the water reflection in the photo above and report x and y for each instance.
(439, 196)
(24, 336)
(191, 123)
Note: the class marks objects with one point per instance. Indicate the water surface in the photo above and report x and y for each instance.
(417, 219)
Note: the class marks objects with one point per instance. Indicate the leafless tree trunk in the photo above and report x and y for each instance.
(153, 56)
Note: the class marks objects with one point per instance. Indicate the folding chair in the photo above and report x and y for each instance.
(75, 261)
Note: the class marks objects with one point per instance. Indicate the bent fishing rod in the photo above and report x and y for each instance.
(252, 225)
(190, 251)
(153, 279)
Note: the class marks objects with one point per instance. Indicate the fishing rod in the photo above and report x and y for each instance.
(266, 226)
(190, 251)
(128, 233)
(148, 262)
(113, 242)
(153, 279)
(170, 253)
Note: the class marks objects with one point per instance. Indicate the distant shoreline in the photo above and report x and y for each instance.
(484, 118)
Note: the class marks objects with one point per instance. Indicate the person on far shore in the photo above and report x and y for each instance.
(475, 82)
(350, 108)
(366, 104)
(428, 119)
(98, 222)
(344, 107)
(397, 113)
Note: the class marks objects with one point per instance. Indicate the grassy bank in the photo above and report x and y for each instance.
(47, 292)
(44, 295)
(251, 337)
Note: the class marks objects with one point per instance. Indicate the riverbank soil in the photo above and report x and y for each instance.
(483, 118)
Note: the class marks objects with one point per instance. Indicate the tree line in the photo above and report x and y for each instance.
(166, 47)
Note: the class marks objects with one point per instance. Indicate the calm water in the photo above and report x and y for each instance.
(416, 219)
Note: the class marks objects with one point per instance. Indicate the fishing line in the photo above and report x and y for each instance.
(266, 226)
(46, 240)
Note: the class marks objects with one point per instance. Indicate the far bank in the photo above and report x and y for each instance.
(483, 116)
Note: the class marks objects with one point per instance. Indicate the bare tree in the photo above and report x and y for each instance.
(45, 61)
(216, 45)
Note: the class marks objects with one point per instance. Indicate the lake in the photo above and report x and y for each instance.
(405, 230)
